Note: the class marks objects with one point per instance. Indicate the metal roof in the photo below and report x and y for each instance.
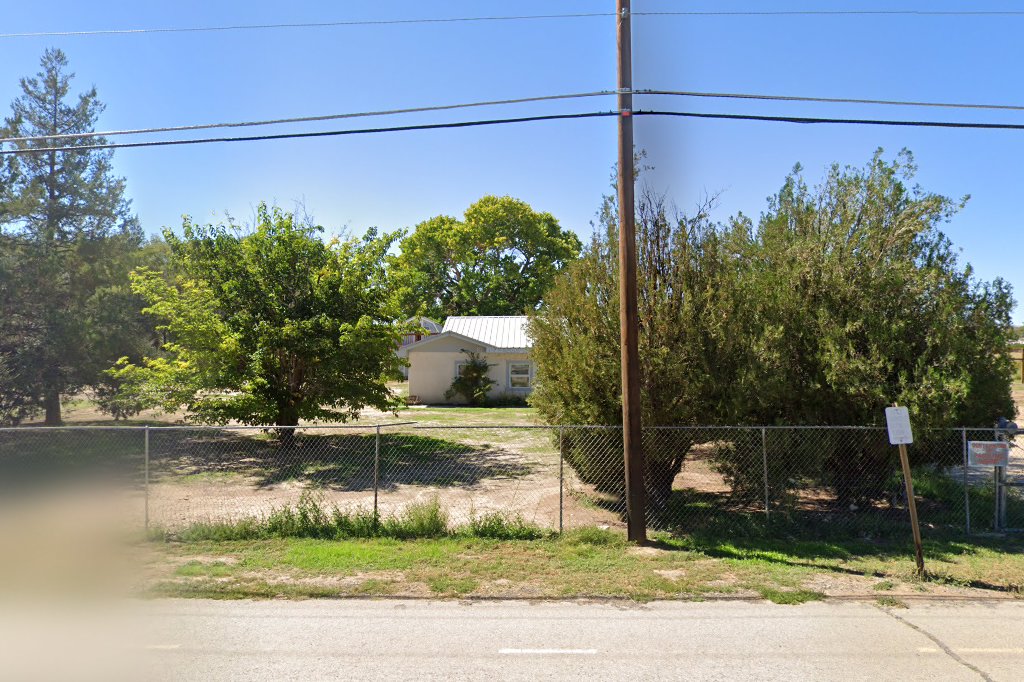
(505, 332)
(426, 323)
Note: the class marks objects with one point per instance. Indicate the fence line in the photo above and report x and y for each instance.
(808, 480)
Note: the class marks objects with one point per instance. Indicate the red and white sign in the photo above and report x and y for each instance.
(985, 453)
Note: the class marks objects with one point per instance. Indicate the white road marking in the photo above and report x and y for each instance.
(163, 647)
(548, 652)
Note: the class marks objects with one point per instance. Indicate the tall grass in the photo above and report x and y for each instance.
(417, 520)
(503, 527)
(311, 518)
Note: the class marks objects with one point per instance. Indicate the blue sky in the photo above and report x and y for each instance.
(396, 180)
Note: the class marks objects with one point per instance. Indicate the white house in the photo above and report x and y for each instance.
(435, 361)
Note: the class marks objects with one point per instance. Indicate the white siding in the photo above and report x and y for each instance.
(431, 373)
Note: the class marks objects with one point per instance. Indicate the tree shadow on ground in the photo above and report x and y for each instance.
(821, 555)
(35, 458)
(726, 526)
(344, 462)
(823, 539)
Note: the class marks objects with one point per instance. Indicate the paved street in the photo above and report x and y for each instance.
(383, 639)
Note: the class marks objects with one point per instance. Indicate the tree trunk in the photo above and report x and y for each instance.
(663, 462)
(287, 416)
(51, 403)
(660, 475)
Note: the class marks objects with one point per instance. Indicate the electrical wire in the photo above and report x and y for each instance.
(311, 24)
(525, 119)
(836, 12)
(832, 100)
(307, 119)
(521, 100)
(842, 121)
(321, 133)
(524, 17)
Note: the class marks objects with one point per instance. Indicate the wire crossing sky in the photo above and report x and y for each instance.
(727, 72)
(545, 98)
(524, 17)
(962, 125)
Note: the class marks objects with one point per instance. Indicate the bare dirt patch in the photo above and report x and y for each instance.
(671, 573)
(210, 475)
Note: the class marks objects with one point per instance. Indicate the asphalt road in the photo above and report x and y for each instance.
(434, 640)
(427, 640)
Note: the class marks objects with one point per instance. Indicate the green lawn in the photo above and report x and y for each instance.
(459, 416)
(587, 563)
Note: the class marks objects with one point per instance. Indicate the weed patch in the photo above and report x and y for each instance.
(790, 596)
(449, 586)
(500, 526)
(891, 602)
(311, 518)
(599, 537)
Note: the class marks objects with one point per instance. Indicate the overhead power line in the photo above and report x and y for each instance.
(523, 17)
(308, 119)
(319, 133)
(841, 121)
(832, 100)
(520, 100)
(525, 119)
(836, 12)
(310, 24)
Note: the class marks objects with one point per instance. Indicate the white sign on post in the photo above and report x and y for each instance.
(898, 421)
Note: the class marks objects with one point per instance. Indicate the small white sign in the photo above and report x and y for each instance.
(984, 453)
(898, 421)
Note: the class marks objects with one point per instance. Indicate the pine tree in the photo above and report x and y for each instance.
(68, 232)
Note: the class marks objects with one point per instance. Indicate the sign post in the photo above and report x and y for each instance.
(898, 421)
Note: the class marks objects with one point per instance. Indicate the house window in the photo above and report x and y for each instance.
(519, 375)
(459, 367)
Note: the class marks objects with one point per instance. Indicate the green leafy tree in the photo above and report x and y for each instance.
(842, 300)
(68, 233)
(269, 326)
(500, 259)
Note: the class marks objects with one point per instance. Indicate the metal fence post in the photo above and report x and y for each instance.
(967, 489)
(376, 474)
(1000, 475)
(764, 464)
(146, 474)
(561, 477)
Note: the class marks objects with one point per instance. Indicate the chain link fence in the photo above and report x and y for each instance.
(795, 481)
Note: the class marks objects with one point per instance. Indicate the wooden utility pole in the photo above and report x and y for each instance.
(629, 326)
